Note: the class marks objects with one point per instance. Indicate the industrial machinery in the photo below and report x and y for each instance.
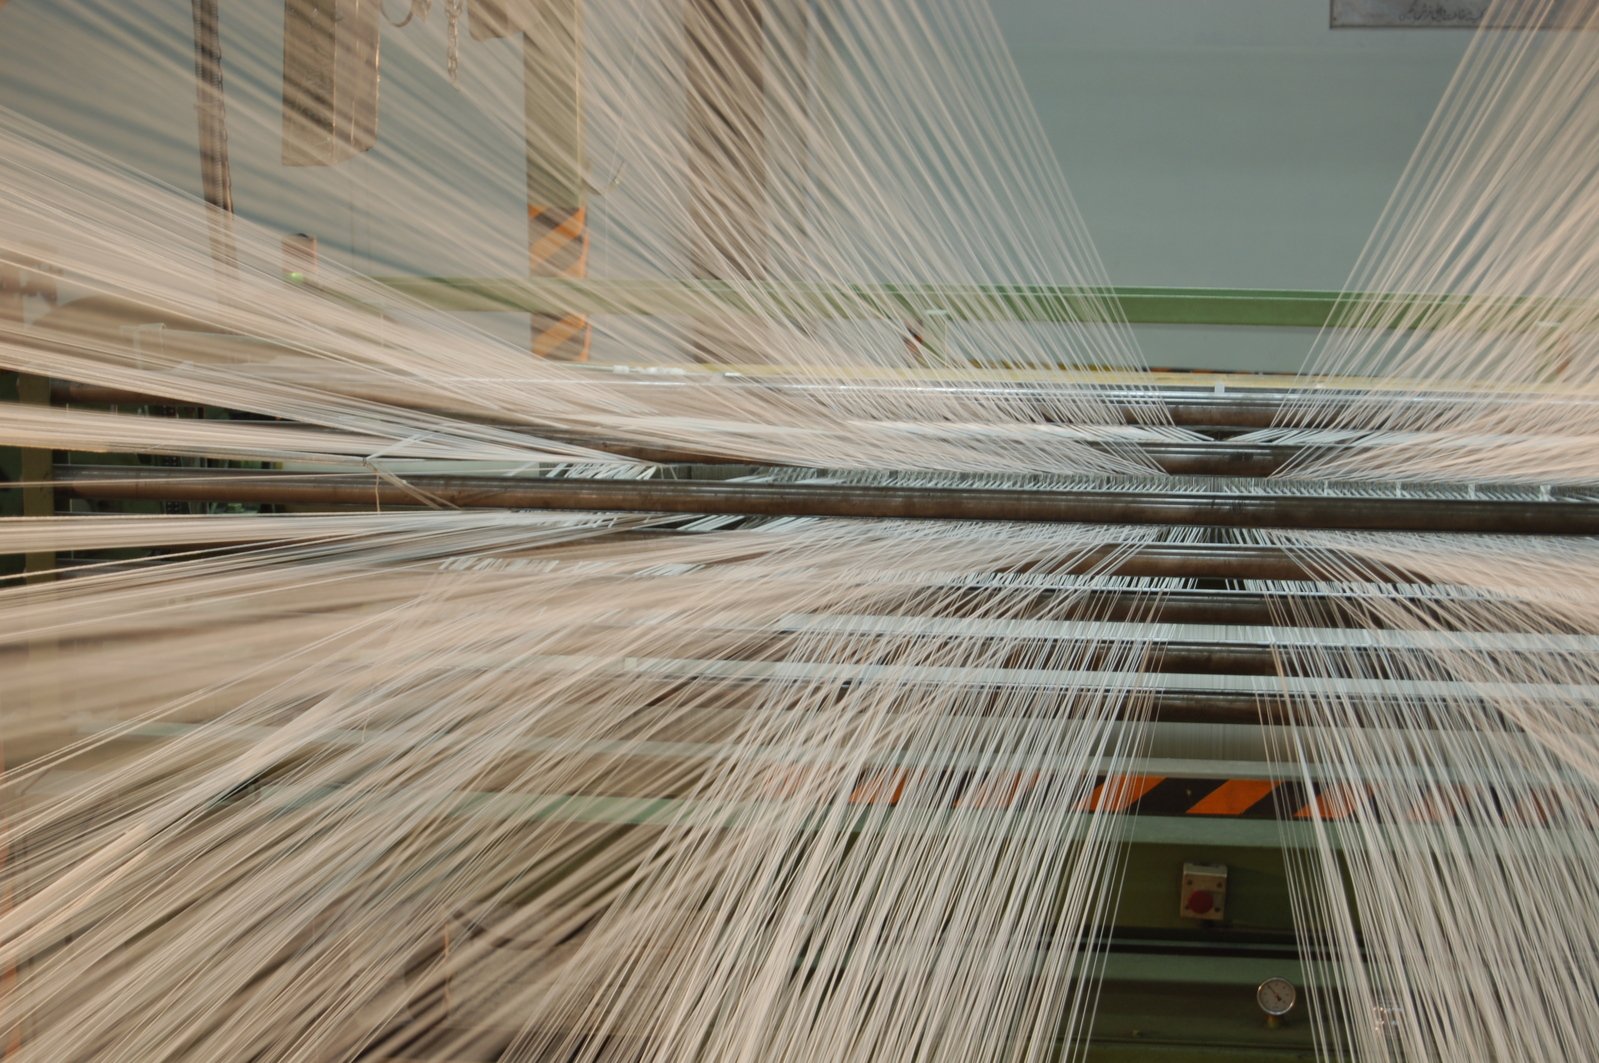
(1205, 956)
(1202, 960)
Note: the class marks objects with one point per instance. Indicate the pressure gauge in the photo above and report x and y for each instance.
(1276, 997)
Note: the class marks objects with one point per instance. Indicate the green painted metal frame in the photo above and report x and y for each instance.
(1266, 307)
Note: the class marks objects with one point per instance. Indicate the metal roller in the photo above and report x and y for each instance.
(1561, 515)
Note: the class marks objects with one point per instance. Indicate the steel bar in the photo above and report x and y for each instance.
(1239, 407)
(1178, 751)
(1310, 609)
(1171, 697)
(677, 811)
(1178, 459)
(1209, 658)
(992, 302)
(1215, 562)
(1242, 407)
(1202, 561)
(1195, 657)
(1557, 517)
(1239, 404)
(1210, 562)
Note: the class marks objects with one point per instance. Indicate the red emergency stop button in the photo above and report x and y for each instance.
(1200, 902)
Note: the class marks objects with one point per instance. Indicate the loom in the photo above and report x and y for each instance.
(1201, 960)
(1180, 983)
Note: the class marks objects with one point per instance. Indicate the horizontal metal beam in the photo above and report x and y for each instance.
(1020, 822)
(1215, 650)
(1175, 508)
(984, 302)
(1215, 561)
(1178, 459)
(1243, 407)
(1210, 607)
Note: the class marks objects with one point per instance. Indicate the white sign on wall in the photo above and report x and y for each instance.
(1442, 14)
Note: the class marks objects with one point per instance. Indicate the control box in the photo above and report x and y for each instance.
(1204, 892)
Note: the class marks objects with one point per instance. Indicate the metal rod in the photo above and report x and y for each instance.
(1178, 459)
(991, 302)
(1201, 657)
(1317, 610)
(1219, 561)
(1556, 517)
(1242, 407)
(1215, 561)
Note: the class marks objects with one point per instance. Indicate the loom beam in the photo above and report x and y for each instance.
(1178, 459)
(1201, 409)
(1559, 516)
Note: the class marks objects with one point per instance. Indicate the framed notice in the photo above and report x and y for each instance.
(1445, 14)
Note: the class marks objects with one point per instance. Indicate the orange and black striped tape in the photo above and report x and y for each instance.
(1154, 795)
(558, 246)
(1161, 795)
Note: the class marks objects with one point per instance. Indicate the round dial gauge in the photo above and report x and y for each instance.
(1276, 996)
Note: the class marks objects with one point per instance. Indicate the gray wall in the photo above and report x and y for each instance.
(1226, 143)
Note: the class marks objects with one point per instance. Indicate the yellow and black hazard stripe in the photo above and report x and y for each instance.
(558, 246)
